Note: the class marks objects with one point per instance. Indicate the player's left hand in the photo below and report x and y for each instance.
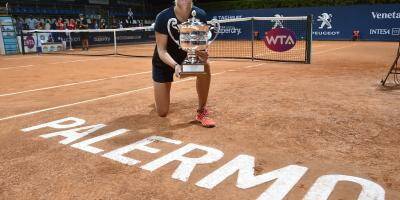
(203, 55)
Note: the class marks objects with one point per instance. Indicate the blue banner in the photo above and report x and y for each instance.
(379, 22)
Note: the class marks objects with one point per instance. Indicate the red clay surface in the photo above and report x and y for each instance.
(330, 116)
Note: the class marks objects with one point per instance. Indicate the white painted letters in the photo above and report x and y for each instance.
(281, 180)
(117, 154)
(85, 145)
(324, 186)
(74, 134)
(285, 178)
(187, 164)
(58, 124)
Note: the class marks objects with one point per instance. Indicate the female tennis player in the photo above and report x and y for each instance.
(168, 57)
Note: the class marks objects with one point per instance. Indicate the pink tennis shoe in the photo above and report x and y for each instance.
(202, 117)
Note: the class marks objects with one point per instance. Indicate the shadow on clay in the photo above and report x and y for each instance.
(145, 125)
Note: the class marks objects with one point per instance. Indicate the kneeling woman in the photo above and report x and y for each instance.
(168, 57)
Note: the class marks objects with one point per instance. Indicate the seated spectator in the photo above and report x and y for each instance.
(71, 24)
(60, 24)
(94, 24)
(66, 22)
(53, 25)
(27, 22)
(40, 26)
(103, 24)
(47, 25)
(32, 23)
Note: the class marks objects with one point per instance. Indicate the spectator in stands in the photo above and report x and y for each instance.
(135, 23)
(66, 22)
(130, 17)
(27, 21)
(60, 24)
(114, 23)
(20, 25)
(53, 25)
(103, 24)
(94, 24)
(40, 26)
(32, 22)
(83, 25)
(47, 26)
(71, 24)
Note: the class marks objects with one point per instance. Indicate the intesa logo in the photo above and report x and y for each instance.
(29, 42)
(280, 39)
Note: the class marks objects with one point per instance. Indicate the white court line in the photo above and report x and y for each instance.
(251, 66)
(54, 63)
(76, 83)
(74, 61)
(24, 66)
(21, 57)
(71, 84)
(334, 49)
(96, 99)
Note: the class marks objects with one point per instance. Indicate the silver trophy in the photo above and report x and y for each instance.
(194, 35)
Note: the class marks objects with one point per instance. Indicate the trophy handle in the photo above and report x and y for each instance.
(174, 23)
(215, 25)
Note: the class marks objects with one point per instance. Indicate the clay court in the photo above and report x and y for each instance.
(330, 116)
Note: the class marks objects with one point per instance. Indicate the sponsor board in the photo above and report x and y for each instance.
(385, 15)
(280, 39)
(277, 23)
(385, 31)
(29, 42)
(330, 23)
(225, 17)
(47, 48)
(230, 30)
(325, 27)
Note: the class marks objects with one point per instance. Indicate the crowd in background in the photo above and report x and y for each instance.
(33, 23)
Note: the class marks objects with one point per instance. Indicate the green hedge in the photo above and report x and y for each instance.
(256, 4)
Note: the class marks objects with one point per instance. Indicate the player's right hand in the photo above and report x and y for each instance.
(178, 71)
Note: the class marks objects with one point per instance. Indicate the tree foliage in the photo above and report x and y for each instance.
(257, 4)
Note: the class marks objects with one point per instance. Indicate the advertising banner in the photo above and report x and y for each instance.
(379, 22)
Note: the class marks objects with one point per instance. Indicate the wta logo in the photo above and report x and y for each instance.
(280, 39)
(29, 42)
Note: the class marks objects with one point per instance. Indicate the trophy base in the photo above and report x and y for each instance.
(192, 69)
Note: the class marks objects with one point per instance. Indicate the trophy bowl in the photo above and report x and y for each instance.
(194, 35)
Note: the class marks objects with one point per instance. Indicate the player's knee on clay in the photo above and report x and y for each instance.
(162, 112)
